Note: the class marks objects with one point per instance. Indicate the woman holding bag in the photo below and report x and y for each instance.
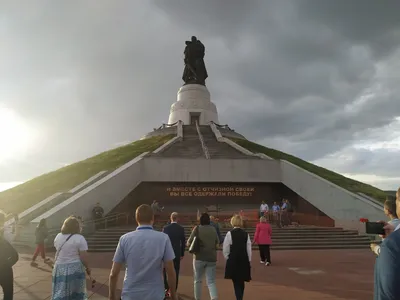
(202, 243)
(70, 265)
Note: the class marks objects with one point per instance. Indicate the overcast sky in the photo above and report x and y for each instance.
(318, 79)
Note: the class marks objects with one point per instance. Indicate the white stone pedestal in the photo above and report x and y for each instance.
(193, 104)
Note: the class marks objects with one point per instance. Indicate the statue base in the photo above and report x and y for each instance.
(193, 105)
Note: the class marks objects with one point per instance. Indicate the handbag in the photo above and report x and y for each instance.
(195, 245)
(58, 251)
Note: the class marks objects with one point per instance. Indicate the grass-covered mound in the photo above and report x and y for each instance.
(340, 180)
(22, 197)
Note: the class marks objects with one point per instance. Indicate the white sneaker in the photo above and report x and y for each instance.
(267, 263)
(262, 262)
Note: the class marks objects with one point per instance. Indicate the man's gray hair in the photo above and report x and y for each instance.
(174, 216)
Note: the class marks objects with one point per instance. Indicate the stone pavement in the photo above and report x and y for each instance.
(301, 274)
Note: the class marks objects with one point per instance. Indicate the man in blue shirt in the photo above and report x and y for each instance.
(387, 265)
(145, 252)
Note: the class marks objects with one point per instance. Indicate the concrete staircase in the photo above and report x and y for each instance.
(189, 147)
(220, 149)
(292, 238)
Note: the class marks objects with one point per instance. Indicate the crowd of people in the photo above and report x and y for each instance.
(279, 214)
(149, 254)
(152, 259)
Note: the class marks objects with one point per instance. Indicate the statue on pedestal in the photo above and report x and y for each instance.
(195, 71)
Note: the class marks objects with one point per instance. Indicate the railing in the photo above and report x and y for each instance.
(178, 137)
(203, 144)
(166, 126)
(222, 126)
(88, 226)
(370, 199)
(231, 143)
(109, 219)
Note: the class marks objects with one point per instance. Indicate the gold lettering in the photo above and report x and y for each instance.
(192, 191)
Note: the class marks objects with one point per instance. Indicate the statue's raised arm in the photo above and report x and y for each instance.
(195, 71)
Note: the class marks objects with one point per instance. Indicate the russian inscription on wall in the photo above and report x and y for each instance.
(196, 191)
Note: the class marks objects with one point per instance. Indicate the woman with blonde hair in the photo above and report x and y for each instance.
(71, 264)
(237, 252)
(262, 237)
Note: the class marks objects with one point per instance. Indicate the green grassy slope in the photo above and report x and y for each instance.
(31, 192)
(340, 180)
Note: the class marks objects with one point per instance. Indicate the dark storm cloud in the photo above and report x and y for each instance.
(377, 162)
(371, 23)
(382, 162)
(93, 74)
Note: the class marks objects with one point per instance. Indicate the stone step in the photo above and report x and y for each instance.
(274, 236)
(273, 228)
(113, 243)
(273, 247)
(188, 147)
(115, 238)
(252, 232)
(157, 225)
(218, 149)
(307, 237)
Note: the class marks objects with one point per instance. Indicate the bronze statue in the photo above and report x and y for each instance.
(195, 68)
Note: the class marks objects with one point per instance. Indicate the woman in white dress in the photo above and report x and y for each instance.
(71, 265)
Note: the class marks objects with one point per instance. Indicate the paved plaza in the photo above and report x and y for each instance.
(301, 274)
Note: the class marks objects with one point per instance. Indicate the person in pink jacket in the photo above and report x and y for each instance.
(262, 237)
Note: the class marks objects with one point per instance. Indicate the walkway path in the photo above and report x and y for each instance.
(318, 274)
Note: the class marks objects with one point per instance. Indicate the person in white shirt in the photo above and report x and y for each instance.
(389, 208)
(264, 208)
(237, 252)
(71, 264)
(390, 228)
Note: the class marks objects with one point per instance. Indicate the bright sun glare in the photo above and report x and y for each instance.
(15, 135)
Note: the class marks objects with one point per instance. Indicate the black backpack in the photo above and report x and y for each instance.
(289, 207)
(9, 256)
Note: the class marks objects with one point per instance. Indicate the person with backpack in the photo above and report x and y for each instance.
(8, 258)
(41, 234)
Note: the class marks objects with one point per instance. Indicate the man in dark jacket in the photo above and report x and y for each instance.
(176, 234)
(9, 256)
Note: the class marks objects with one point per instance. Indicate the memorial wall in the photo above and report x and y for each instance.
(184, 196)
